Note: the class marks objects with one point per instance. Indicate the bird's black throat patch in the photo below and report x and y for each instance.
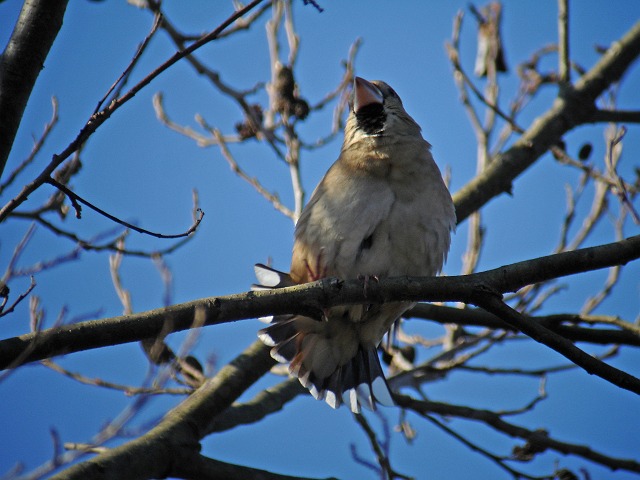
(371, 118)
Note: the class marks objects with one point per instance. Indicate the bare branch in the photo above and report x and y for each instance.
(91, 243)
(204, 468)
(36, 147)
(214, 77)
(99, 118)
(176, 439)
(77, 199)
(126, 389)
(566, 113)
(537, 437)
(122, 80)
(564, 62)
(482, 451)
(562, 324)
(615, 116)
(313, 297)
(253, 181)
(562, 156)
(21, 63)
(268, 401)
(17, 301)
(494, 304)
(382, 455)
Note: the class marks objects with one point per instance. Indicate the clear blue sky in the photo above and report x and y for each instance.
(138, 170)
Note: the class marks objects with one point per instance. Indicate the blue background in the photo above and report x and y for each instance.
(137, 169)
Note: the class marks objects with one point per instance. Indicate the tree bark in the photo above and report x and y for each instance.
(21, 62)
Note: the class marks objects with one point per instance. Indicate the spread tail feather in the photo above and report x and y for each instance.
(356, 383)
(326, 356)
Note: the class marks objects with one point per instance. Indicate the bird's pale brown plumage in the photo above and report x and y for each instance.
(382, 210)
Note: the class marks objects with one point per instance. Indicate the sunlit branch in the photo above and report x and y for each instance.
(313, 297)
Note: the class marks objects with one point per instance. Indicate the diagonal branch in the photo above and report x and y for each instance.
(541, 334)
(204, 468)
(574, 107)
(171, 449)
(22, 61)
(268, 401)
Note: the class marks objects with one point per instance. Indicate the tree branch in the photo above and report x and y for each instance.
(171, 449)
(22, 61)
(564, 60)
(268, 401)
(310, 298)
(541, 334)
(477, 317)
(615, 116)
(99, 118)
(498, 460)
(76, 200)
(495, 421)
(176, 438)
(574, 107)
(203, 468)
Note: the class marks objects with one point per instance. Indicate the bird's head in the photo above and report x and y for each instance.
(377, 111)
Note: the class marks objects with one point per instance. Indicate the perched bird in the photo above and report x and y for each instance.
(382, 210)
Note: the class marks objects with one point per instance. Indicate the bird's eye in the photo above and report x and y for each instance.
(392, 93)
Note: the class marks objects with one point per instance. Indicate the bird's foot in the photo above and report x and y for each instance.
(366, 279)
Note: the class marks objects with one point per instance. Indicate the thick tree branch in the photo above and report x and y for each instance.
(176, 439)
(22, 61)
(615, 116)
(575, 106)
(203, 468)
(309, 298)
(592, 365)
(476, 317)
(172, 449)
(268, 401)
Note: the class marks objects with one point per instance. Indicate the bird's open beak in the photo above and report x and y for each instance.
(365, 93)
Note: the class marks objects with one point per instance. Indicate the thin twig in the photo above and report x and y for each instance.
(76, 200)
(482, 451)
(90, 244)
(126, 389)
(98, 119)
(122, 80)
(564, 64)
(535, 437)
(36, 147)
(254, 182)
(21, 297)
(384, 466)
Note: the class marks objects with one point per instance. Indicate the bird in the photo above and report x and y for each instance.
(381, 210)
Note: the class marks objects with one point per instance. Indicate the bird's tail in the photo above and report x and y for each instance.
(326, 355)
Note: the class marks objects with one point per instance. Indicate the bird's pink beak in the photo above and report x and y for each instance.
(365, 93)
